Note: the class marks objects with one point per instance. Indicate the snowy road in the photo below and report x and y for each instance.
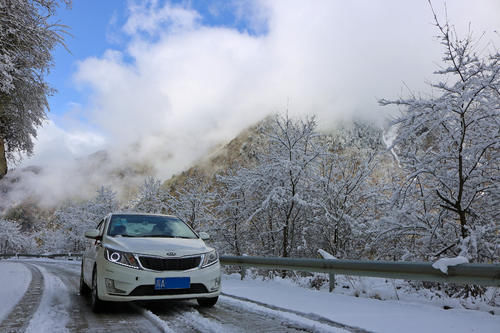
(52, 304)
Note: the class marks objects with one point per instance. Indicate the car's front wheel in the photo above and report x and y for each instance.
(95, 303)
(207, 302)
(84, 289)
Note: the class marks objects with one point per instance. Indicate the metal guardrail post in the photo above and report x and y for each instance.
(331, 282)
(331, 275)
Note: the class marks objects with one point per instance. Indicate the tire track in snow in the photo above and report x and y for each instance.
(172, 313)
(19, 317)
(287, 312)
(52, 314)
(265, 320)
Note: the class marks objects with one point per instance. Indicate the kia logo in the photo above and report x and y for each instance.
(171, 253)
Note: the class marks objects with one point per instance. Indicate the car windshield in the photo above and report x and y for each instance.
(149, 226)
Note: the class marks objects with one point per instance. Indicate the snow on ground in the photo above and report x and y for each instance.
(52, 314)
(406, 315)
(14, 281)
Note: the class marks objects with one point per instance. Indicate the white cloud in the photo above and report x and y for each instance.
(57, 145)
(152, 17)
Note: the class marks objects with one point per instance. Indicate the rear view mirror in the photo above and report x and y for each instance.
(92, 234)
(204, 235)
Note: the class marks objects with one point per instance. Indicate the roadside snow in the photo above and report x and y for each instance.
(52, 314)
(443, 263)
(371, 314)
(14, 281)
(63, 261)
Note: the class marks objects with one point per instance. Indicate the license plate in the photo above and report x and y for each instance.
(172, 283)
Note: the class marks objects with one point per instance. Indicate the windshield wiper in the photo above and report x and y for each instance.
(168, 236)
(159, 236)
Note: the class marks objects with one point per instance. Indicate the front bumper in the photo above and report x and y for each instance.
(120, 283)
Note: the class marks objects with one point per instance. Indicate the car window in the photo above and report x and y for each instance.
(148, 226)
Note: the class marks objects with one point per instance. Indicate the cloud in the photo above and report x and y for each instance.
(181, 86)
(151, 17)
(55, 145)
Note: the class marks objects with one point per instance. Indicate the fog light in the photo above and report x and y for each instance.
(110, 286)
(215, 284)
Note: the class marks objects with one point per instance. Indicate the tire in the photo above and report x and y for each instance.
(207, 302)
(95, 303)
(84, 289)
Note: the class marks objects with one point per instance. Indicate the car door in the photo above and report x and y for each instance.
(90, 255)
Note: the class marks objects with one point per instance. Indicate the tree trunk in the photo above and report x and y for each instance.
(3, 159)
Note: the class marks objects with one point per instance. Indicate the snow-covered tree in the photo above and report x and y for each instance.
(449, 146)
(104, 203)
(151, 197)
(233, 208)
(27, 37)
(278, 188)
(73, 219)
(192, 202)
(11, 238)
(345, 195)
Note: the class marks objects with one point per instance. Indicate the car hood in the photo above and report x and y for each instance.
(164, 247)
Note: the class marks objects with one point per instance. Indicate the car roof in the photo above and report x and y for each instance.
(141, 214)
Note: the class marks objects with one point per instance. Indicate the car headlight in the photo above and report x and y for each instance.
(210, 258)
(121, 258)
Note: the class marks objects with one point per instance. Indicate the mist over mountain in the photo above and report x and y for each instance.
(78, 179)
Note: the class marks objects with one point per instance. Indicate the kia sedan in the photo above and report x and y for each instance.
(148, 257)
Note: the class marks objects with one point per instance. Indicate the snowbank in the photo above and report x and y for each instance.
(370, 314)
(14, 281)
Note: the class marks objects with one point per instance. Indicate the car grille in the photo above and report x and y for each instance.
(170, 264)
(149, 290)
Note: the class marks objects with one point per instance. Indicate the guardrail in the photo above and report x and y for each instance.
(45, 255)
(480, 274)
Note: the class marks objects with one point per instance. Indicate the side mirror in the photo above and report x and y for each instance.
(204, 235)
(92, 234)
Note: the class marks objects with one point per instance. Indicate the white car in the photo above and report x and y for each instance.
(148, 257)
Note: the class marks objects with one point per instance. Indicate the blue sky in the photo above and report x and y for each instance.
(88, 22)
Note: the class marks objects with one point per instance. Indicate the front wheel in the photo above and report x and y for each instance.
(207, 302)
(95, 303)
